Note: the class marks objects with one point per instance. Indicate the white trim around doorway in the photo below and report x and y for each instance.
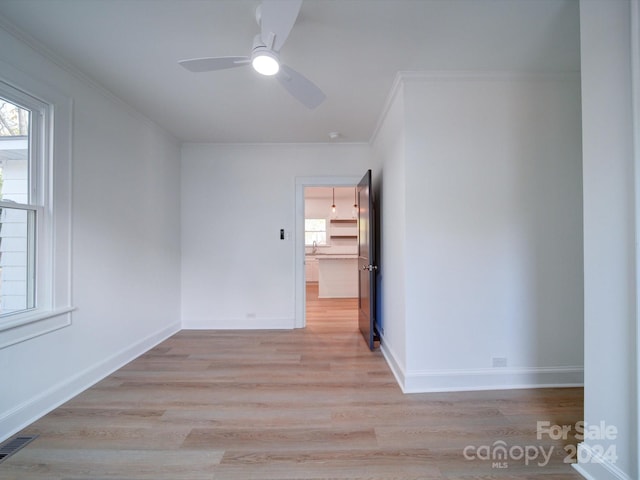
(298, 236)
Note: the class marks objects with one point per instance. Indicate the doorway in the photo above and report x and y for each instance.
(331, 258)
(302, 183)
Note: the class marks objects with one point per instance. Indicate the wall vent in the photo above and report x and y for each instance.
(15, 444)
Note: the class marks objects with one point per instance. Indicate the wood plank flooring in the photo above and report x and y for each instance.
(301, 404)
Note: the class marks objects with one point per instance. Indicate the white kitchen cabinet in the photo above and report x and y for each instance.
(311, 268)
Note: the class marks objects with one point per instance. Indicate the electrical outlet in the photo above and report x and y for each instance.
(498, 362)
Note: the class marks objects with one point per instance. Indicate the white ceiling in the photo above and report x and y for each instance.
(352, 49)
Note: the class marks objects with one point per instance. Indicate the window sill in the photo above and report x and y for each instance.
(30, 325)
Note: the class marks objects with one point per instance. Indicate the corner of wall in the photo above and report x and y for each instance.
(29, 411)
(595, 467)
(394, 364)
(396, 88)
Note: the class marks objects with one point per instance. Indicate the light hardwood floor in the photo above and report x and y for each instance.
(301, 404)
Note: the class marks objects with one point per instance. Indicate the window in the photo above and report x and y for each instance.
(35, 208)
(315, 230)
(20, 207)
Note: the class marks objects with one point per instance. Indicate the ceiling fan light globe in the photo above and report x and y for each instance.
(265, 64)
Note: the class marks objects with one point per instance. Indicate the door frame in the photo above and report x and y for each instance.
(300, 320)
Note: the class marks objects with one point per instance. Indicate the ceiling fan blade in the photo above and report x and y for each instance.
(277, 18)
(300, 87)
(214, 63)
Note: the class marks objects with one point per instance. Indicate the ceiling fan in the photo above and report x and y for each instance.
(276, 19)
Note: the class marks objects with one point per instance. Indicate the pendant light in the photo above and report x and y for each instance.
(354, 212)
(333, 205)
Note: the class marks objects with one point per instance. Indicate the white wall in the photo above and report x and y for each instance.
(492, 232)
(610, 219)
(389, 189)
(126, 248)
(236, 272)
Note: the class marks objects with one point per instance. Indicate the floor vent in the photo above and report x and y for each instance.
(15, 444)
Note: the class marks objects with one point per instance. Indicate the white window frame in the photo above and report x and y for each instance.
(51, 193)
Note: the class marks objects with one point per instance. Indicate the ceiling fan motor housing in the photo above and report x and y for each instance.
(264, 59)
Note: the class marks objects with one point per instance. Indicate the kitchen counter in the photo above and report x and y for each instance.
(337, 275)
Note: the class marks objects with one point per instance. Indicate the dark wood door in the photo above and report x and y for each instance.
(366, 262)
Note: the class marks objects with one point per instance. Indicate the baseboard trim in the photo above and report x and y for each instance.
(28, 412)
(392, 361)
(492, 379)
(597, 468)
(425, 381)
(239, 324)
